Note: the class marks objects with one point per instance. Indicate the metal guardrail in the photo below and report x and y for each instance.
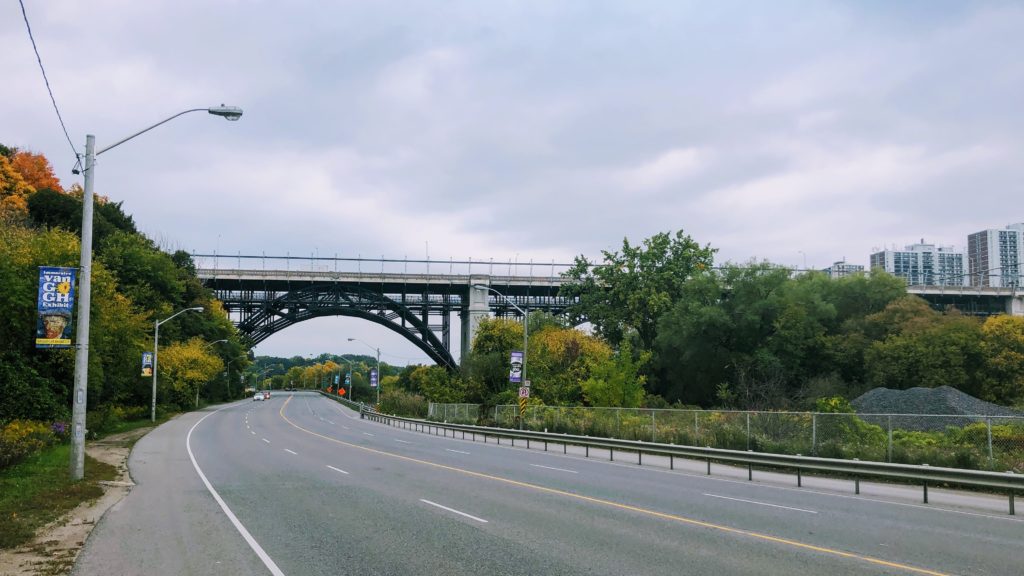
(357, 406)
(923, 474)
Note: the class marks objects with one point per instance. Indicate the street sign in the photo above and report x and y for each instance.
(524, 392)
(526, 383)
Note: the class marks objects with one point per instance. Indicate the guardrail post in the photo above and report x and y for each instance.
(856, 485)
(639, 458)
(1012, 512)
(750, 472)
(925, 491)
(587, 454)
(799, 480)
(611, 455)
(709, 466)
(671, 462)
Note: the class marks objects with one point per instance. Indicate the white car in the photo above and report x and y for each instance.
(258, 397)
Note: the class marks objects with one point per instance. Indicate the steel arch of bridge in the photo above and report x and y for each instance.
(335, 299)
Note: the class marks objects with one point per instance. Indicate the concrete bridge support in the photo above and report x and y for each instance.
(477, 310)
(1015, 305)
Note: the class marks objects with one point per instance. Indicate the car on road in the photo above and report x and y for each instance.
(258, 397)
(266, 395)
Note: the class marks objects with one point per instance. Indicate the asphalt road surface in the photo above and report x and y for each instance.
(300, 485)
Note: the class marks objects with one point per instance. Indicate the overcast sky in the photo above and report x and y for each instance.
(533, 130)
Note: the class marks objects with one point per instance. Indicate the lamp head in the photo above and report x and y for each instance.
(351, 339)
(231, 113)
(481, 287)
(197, 309)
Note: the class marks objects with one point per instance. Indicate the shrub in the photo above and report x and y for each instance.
(20, 439)
(403, 403)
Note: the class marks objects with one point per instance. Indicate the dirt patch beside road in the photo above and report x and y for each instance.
(54, 549)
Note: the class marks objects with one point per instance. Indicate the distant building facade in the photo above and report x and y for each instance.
(923, 265)
(841, 269)
(996, 257)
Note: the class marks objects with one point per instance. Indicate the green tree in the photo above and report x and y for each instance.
(630, 290)
(1003, 347)
(616, 381)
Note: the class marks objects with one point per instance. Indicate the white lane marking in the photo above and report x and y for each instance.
(336, 469)
(553, 468)
(403, 441)
(252, 432)
(367, 434)
(761, 503)
(345, 427)
(454, 511)
(456, 451)
(267, 441)
(329, 422)
(290, 452)
(231, 515)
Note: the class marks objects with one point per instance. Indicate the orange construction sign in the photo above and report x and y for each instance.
(341, 391)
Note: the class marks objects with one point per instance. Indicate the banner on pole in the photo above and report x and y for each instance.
(54, 306)
(336, 377)
(147, 364)
(373, 378)
(515, 374)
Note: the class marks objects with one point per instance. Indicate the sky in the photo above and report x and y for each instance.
(802, 133)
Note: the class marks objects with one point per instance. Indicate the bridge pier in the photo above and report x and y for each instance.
(1015, 305)
(477, 309)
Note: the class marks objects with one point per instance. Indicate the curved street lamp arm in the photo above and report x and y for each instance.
(144, 130)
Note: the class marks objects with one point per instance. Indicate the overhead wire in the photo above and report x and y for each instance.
(46, 80)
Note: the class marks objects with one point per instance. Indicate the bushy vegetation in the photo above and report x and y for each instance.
(134, 282)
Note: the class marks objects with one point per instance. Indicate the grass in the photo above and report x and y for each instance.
(40, 490)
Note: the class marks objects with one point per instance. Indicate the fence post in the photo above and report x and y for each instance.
(696, 429)
(654, 430)
(988, 422)
(618, 422)
(748, 430)
(890, 439)
(814, 434)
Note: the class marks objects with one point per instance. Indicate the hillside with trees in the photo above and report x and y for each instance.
(134, 283)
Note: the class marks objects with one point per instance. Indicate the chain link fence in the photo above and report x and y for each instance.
(454, 413)
(956, 441)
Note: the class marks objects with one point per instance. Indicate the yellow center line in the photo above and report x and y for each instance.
(654, 513)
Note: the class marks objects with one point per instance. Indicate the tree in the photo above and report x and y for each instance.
(14, 192)
(630, 290)
(36, 170)
(1003, 347)
(560, 360)
(616, 381)
(184, 367)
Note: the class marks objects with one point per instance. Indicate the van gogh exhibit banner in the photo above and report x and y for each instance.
(53, 308)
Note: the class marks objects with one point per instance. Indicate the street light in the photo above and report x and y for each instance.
(377, 350)
(85, 286)
(349, 374)
(526, 322)
(156, 352)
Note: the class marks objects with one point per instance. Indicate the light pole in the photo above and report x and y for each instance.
(377, 350)
(526, 322)
(156, 352)
(349, 374)
(78, 405)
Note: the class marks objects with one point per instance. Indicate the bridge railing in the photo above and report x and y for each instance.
(359, 265)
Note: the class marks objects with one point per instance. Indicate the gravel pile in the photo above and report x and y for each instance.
(957, 408)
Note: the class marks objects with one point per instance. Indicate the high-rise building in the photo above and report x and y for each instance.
(841, 269)
(996, 257)
(923, 265)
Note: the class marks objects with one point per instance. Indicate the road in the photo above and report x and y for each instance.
(315, 490)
